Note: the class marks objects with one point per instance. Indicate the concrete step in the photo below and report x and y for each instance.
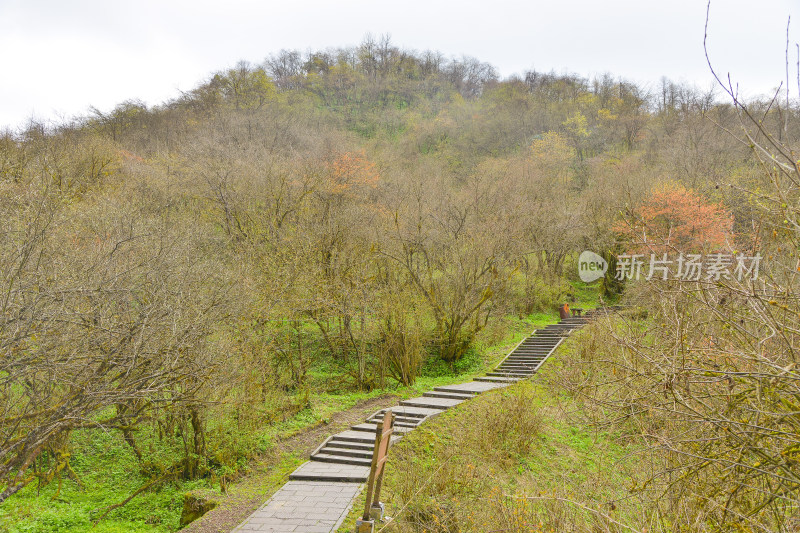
(542, 346)
(416, 412)
(340, 459)
(450, 395)
(431, 403)
(538, 346)
(347, 452)
(355, 436)
(471, 387)
(398, 426)
(330, 472)
(535, 348)
(510, 374)
(372, 427)
(398, 420)
(498, 379)
(343, 444)
(520, 371)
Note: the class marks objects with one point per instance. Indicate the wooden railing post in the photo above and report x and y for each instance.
(383, 438)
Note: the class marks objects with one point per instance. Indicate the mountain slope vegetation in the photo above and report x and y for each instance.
(179, 283)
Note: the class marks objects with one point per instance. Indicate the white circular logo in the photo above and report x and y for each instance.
(591, 266)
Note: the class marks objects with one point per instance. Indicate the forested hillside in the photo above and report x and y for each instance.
(178, 281)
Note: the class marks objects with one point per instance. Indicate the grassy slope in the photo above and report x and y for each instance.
(110, 473)
(512, 460)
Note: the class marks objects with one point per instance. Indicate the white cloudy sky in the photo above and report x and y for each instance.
(58, 57)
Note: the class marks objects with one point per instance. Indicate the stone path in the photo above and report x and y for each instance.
(304, 506)
(321, 491)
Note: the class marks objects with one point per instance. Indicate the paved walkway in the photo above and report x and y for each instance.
(304, 506)
(320, 492)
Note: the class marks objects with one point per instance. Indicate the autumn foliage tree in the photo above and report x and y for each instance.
(352, 170)
(674, 218)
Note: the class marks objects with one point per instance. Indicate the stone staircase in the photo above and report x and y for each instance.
(347, 456)
(526, 358)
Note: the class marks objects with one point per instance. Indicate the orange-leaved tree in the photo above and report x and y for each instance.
(352, 170)
(674, 218)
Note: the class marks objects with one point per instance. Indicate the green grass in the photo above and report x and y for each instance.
(586, 294)
(109, 471)
(509, 460)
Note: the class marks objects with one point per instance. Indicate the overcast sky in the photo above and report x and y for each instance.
(58, 57)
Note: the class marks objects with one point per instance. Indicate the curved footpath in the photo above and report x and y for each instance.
(320, 492)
